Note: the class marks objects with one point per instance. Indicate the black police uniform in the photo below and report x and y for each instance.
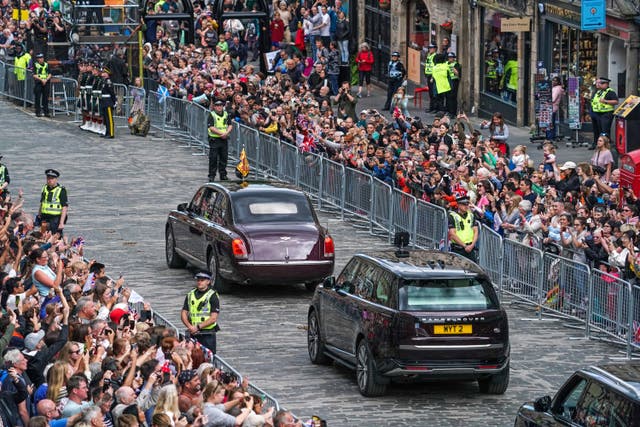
(47, 195)
(396, 73)
(41, 89)
(218, 149)
(206, 337)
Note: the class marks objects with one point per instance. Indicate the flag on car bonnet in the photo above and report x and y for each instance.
(243, 167)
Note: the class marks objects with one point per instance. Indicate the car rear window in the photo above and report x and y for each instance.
(447, 295)
(271, 208)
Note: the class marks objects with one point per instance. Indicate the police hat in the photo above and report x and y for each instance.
(462, 200)
(218, 103)
(52, 173)
(202, 275)
(40, 55)
(451, 55)
(604, 80)
(395, 53)
(432, 46)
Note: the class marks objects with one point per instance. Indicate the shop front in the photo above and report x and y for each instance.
(572, 55)
(504, 59)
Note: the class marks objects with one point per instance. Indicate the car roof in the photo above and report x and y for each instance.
(425, 264)
(254, 186)
(623, 376)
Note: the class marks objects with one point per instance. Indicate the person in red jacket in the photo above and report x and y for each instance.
(277, 30)
(364, 60)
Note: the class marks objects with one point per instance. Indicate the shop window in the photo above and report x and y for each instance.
(500, 49)
(574, 55)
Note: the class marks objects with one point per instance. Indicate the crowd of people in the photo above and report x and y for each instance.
(73, 349)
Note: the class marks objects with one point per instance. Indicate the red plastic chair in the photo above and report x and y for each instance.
(417, 95)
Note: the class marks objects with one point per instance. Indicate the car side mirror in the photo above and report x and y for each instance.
(329, 282)
(182, 207)
(542, 404)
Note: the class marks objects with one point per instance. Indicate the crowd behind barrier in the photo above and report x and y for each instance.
(514, 237)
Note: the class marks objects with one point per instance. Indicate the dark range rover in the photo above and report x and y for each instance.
(426, 314)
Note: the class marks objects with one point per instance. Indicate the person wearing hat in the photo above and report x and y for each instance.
(95, 125)
(603, 103)
(463, 230)
(455, 71)
(53, 203)
(428, 72)
(218, 128)
(41, 77)
(567, 180)
(108, 102)
(85, 81)
(396, 73)
(491, 72)
(200, 311)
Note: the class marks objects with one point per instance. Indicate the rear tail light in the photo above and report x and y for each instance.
(329, 249)
(239, 249)
(488, 367)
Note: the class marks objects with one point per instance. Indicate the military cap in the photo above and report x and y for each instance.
(202, 275)
(464, 200)
(40, 55)
(218, 103)
(395, 53)
(604, 80)
(52, 173)
(451, 54)
(432, 46)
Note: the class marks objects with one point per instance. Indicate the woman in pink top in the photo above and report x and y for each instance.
(602, 156)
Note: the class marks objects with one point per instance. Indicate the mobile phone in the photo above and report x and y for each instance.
(132, 324)
(17, 300)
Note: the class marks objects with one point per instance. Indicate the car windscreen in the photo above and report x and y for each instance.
(458, 294)
(271, 207)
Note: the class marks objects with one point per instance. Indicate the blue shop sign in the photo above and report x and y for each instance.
(593, 15)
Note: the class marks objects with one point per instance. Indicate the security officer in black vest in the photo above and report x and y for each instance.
(218, 128)
(41, 87)
(200, 311)
(107, 103)
(603, 103)
(53, 203)
(396, 73)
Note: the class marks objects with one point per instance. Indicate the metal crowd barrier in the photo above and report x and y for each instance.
(124, 101)
(490, 254)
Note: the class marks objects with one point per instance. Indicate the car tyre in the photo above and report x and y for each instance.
(221, 285)
(311, 286)
(366, 372)
(173, 259)
(314, 341)
(495, 384)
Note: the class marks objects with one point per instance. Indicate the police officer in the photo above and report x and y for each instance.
(396, 73)
(20, 63)
(200, 311)
(509, 80)
(603, 103)
(53, 202)
(41, 87)
(463, 230)
(441, 83)
(491, 73)
(107, 103)
(219, 127)
(455, 71)
(428, 73)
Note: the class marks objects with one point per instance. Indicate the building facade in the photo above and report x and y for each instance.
(504, 45)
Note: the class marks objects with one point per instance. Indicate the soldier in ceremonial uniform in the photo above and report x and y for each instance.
(96, 95)
(85, 81)
(53, 203)
(200, 311)
(107, 103)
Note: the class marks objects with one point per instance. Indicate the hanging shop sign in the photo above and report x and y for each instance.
(515, 25)
(593, 15)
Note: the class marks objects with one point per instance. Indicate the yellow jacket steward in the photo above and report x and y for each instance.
(220, 123)
(441, 78)
(50, 204)
(428, 64)
(41, 70)
(599, 107)
(200, 308)
(464, 227)
(3, 176)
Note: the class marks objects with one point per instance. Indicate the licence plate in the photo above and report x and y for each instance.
(452, 329)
